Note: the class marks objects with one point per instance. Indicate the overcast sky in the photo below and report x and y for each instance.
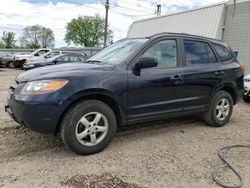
(55, 14)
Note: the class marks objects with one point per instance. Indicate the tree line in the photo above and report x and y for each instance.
(85, 31)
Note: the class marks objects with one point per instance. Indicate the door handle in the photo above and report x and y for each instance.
(176, 77)
(219, 73)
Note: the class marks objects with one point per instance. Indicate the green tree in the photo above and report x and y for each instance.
(2, 45)
(37, 36)
(86, 31)
(8, 39)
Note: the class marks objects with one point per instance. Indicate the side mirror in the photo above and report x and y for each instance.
(144, 62)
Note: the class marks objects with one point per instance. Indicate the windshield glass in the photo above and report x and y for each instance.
(53, 58)
(117, 52)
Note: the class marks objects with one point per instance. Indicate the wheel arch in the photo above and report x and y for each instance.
(100, 96)
(231, 89)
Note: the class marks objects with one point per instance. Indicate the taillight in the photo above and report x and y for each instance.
(242, 68)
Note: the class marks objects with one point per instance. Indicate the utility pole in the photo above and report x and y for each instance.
(158, 11)
(106, 23)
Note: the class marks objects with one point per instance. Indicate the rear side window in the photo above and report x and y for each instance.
(198, 53)
(223, 53)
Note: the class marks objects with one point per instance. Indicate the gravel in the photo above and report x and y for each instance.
(179, 152)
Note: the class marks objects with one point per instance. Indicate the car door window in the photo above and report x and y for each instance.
(165, 52)
(198, 53)
(63, 59)
(41, 52)
(74, 58)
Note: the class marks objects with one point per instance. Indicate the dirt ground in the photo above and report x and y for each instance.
(172, 153)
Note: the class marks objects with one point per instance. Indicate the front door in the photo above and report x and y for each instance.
(155, 91)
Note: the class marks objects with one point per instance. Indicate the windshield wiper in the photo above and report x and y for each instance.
(93, 61)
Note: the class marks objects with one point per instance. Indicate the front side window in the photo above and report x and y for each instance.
(198, 53)
(165, 52)
(223, 53)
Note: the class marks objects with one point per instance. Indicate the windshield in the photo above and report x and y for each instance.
(117, 52)
(53, 58)
(47, 54)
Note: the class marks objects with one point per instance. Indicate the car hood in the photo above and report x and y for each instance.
(63, 71)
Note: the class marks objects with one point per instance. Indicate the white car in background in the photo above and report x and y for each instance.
(43, 56)
(246, 95)
(19, 59)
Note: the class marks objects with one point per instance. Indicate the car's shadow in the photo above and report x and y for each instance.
(20, 141)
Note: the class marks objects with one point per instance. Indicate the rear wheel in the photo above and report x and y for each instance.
(246, 97)
(220, 109)
(88, 127)
(11, 65)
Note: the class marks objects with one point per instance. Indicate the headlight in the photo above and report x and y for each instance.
(28, 65)
(43, 86)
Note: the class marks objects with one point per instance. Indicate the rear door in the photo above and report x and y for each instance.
(203, 72)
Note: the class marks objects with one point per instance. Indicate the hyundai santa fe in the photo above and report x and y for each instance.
(134, 80)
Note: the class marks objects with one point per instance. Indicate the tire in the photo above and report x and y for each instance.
(215, 118)
(246, 99)
(73, 130)
(11, 65)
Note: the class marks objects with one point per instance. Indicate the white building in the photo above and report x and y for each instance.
(229, 22)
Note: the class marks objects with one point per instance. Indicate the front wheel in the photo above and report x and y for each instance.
(220, 109)
(88, 127)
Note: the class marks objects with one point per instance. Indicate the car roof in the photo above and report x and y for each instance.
(72, 52)
(186, 35)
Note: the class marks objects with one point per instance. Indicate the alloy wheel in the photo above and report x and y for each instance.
(91, 129)
(222, 109)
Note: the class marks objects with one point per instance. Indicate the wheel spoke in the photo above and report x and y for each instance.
(226, 106)
(84, 121)
(218, 107)
(224, 115)
(83, 134)
(97, 118)
(101, 128)
(223, 102)
(93, 138)
(219, 114)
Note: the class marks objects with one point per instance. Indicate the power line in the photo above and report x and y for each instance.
(133, 4)
(133, 9)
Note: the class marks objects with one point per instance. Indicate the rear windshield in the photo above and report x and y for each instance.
(223, 52)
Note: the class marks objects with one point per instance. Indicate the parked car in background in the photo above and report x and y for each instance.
(47, 56)
(134, 80)
(43, 56)
(246, 95)
(5, 59)
(56, 60)
(19, 59)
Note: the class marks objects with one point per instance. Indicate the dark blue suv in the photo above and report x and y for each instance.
(134, 80)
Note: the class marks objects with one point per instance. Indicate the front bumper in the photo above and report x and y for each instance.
(39, 113)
